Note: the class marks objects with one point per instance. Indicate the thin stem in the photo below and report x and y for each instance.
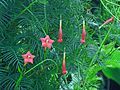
(78, 71)
(108, 10)
(108, 84)
(66, 83)
(23, 11)
(36, 20)
(19, 80)
(40, 64)
(46, 26)
(92, 62)
(113, 3)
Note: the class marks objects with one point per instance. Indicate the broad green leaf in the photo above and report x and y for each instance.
(112, 73)
(114, 60)
(109, 47)
(92, 72)
(112, 68)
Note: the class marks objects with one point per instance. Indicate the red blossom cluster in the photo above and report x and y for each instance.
(47, 43)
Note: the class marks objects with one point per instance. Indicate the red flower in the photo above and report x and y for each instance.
(28, 58)
(47, 42)
(83, 34)
(107, 21)
(60, 33)
(64, 71)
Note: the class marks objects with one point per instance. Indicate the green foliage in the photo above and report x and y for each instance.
(24, 22)
(112, 68)
(112, 6)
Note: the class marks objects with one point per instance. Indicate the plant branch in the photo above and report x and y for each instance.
(40, 64)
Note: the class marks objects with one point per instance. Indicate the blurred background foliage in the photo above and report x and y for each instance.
(23, 22)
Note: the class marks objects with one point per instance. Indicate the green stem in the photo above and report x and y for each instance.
(92, 62)
(19, 80)
(113, 3)
(66, 83)
(21, 74)
(108, 10)
(65, 80)
(24, 10)
(36, 20)
(46, 53)
(46, 26)
(40, 64)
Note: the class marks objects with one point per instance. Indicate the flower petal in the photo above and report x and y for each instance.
(47, 37)
(49, 45)
(30, 61)
(42, 39)
(51, 41)
(44, 44)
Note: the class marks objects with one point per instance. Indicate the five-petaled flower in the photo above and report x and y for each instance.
(28, 58)
(64, 71)
(60, 33)
(46, 42)
(83, 34)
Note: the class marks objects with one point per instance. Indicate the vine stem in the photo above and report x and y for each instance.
(23, 11)
(45, 17)
(36, 20)
(113, 3)
(21, 74)
(19, 80)
(93, 60)
(108, 10)
(40, 64)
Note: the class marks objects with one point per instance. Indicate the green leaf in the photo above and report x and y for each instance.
(114, 60)
(112, 73)
(93, 71)
(109, 47)
(112, 68)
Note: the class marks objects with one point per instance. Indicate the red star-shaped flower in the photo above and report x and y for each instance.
(28, 58)
(47, 42)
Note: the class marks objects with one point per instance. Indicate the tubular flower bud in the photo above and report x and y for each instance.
(64, 71)
(60, 33)
(83, 34)
(107, 21)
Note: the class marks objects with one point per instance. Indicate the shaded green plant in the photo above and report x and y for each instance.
(24, 22)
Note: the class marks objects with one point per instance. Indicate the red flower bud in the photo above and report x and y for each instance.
(64, 71)
(107, 21)
(83, 34)
(60, 33)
